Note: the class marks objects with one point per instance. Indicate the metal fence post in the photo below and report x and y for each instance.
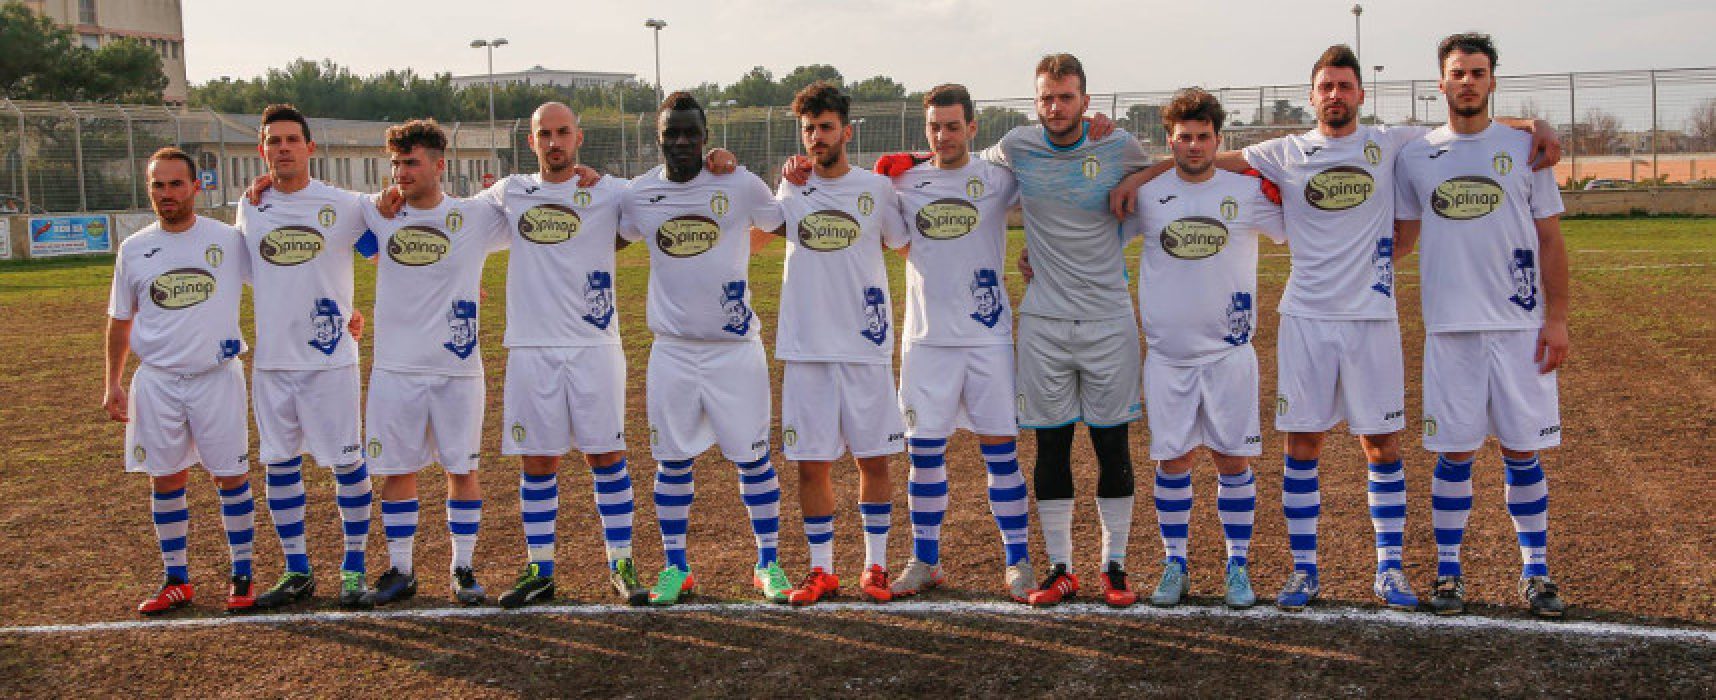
(904, 144)
(768, 136)
(130, 157)
(1654, 173)
(220, 139)
(1573, 126)
(512, 138)
(77, 155)
(23, 158)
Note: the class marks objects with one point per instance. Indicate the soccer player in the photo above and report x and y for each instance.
(708, 380)
(426, 386)
(174, 301)
(299, 240)
(1197, 291)
(566, 372)
(1078, 355)
(956, 368)
(836, 337)
(1338, 350)
(1494, 271)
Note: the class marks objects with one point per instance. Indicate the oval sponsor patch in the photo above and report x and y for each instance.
(1338, 188)
(685, 236)
(1466, 197)
(828, 230)
(549, 224)
(1194, 237)
(182, 288)
(417, 246)
(946, 219)
(291, 245)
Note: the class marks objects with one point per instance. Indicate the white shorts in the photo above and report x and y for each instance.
(415, 419)
(708, 393)
(558, 397)
(180, 420)
(1212, 404)
(945, 388)
(311, 411)
(1331, 370)
(1071, 371)
(830, 407)
(1484, 383)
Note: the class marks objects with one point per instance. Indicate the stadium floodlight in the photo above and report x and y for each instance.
(1358, 36)
(1375, 78)
(657, 25)
(858, 135)
(491, 45)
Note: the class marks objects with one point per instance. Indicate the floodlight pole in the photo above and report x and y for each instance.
(491, 45)
(657, 25)
(1358, 35)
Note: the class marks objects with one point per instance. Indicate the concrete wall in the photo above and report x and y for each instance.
(1700, 201)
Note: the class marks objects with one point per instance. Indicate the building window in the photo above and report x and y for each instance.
(86, 12)
(175, 49)
(90, 41)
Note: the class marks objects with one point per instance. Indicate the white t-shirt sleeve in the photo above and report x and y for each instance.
(996, 154)
(494, 195)
(1266, 219)
(629, 218)
(895, 235)
(497, 235)
(1406, 204)
(1268, 158)
(1399, 136)
(1545, 194)
(1133, 225)
(765, 211)
(121, 300)
(243, 261)
(1133, 158)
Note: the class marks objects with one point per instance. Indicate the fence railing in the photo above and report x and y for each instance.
(1635, 126)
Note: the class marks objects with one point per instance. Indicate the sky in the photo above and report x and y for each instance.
(990, 46)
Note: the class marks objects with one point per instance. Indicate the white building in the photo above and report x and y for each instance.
(543, 76)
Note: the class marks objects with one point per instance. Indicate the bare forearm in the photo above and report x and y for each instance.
(1232, 161)
(1405, 237)
(1552, 248)
(118, 349)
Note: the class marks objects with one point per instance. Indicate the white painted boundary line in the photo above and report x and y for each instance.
(1320, 616)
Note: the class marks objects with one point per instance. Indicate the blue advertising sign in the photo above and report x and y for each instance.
(70, 235)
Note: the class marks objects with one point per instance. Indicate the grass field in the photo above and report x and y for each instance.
(1633, 542)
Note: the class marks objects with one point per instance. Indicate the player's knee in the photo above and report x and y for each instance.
(536, 465)
(170, 482)
(1113, 449)
(814, 473)
(1381, 448)
(874, 467)
(1459, 456)
(1304, 445)
(1178, 465)
(604, 459)
(1229, 464)
(228, 483)
(1517, 455)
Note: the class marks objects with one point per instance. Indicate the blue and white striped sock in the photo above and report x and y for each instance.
(1174, 512)
(238, 514)
(1387, 495)
(538, 506)
(464, 519)
(819, 534)
(1302, 504)
(674, 491)
(1009, 500)
(1450, 506)
(926, 496)
(286, 508)
(1236, 504)
(353, 494)
(612, 486)
(1528, 504)
(172, 523)
(878, 518)
(760, 489)
(399, 523)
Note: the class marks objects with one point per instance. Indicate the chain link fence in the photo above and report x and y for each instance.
(1651, 127)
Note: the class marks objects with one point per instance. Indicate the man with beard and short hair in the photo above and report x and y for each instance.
(1493, 268)
(1338, 349)
(708, 380)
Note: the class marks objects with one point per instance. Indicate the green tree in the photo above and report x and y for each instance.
(42, 61)
(756, 88)
(878, 88)
(805, 75)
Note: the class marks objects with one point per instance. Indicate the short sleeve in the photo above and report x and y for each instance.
(1266, 218)
(1132, 155)
(630, 218)
(1407, 206)
(498, 234)
(895, 235)
(372, 218)
(350, 224)
(1009, 186)
(494, 195)
(121, 298)
(1545, 194)
(1133, 225)
(997, 154)
(765, 211)
(1267, 158)
(243, 261)
(1399, 136)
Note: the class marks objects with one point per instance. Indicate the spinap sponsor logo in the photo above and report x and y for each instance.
(685, 236)
(548, 224)
(719, 204)
(974, 187)
(1466, 197)
(182, 288)
(1339, 188)
(828, 230)
(946, 219)
(326, 216)
(1194, 238)
(291, 245)
(417, 246)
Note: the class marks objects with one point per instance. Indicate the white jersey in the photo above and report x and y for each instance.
(300, 248)
(560, 276)
(957, 220)
(428, 283)
(834, 294)
(1477, 248)
(181, 292)
(1336, 194)
(1197, 275)
(700, 250)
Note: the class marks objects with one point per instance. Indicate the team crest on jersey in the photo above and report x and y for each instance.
(1523, 270)
(1372, 153)
(986, 296)
(138, 454)
(214, 255)
(1238, 319)
(1091, 167)
(654, 435)
(374, 448)
(789, 436)
(326, 216)
(327, 326)
(1429, 426)
(599, 296)
(875, 315)
(719, 204)
(974, 187)
(738, 312)
(1502, 163)
(582, 198)
(1383, 263)
(462, 328)
(517, 433)
(866, 204)
(1229, 208)
(455, 220)
(1280, 405)
(911, 416)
